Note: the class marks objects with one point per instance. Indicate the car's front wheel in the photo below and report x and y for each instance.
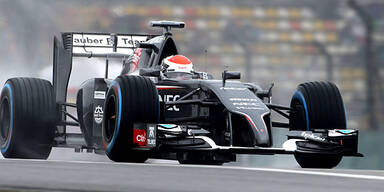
(317, 105)
(130, 99)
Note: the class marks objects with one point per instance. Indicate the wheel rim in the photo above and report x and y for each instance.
(5, 121)
(110, 119)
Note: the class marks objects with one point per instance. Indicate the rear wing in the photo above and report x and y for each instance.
(76, 44)
(102, 44)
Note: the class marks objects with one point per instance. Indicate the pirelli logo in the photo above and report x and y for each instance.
(99, 95)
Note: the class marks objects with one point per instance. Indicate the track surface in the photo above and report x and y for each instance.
(58, 175)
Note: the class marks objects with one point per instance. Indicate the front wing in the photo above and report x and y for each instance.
(336, 142)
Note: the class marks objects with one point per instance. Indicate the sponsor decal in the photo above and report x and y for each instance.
(168, 98)
(245, 104)
(99, 95)
(125, 41)
(151, 132)
(233, 88)
(151, 141)
(312, 136)
(242, 99)
(204, 75)
(140, 137)
(249, 108)
(182, 67)
(98, 114)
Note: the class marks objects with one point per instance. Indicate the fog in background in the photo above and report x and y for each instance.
(282, 41)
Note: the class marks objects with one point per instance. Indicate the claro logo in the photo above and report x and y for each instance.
(140, 137)
(168, 98)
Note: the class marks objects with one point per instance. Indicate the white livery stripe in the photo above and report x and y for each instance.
(160, 87)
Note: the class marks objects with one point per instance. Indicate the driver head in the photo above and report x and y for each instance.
(178, 67)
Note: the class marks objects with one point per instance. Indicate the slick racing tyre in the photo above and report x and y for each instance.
(27, 118)
(130, 99)
(324, 161)
(317, 105)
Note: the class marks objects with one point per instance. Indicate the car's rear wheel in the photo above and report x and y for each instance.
(27, 116)
(130, 99)
(317, 105)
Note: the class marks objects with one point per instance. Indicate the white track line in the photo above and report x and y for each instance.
(318, 173)
(302, 172)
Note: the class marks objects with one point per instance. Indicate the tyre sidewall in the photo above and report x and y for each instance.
(318, 105)
(110, 143)
(6, 140)
(136, 100)
(33, 117)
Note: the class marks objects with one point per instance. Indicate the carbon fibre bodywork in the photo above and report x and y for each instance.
(235, 97)
(198, 115)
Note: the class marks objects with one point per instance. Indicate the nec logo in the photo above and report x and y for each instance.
(168, 98)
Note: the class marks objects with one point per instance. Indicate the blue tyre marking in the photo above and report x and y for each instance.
(8, 141)
(298, 95)
(345, 112)
(116, 133)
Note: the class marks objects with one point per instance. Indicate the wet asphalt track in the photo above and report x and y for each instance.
(99, 174)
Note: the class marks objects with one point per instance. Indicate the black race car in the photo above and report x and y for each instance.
(145, 114)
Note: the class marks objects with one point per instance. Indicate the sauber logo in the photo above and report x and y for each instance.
(168, 98)
(105, 40)
(140, 137)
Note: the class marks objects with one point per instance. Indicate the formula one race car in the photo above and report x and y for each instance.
(151, 111)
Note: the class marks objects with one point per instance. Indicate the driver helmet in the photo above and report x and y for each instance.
(177, 66)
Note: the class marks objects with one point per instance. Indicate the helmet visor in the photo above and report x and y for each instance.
(178, 75)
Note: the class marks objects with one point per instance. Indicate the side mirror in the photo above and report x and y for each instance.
(150, 72)
(230, 75)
